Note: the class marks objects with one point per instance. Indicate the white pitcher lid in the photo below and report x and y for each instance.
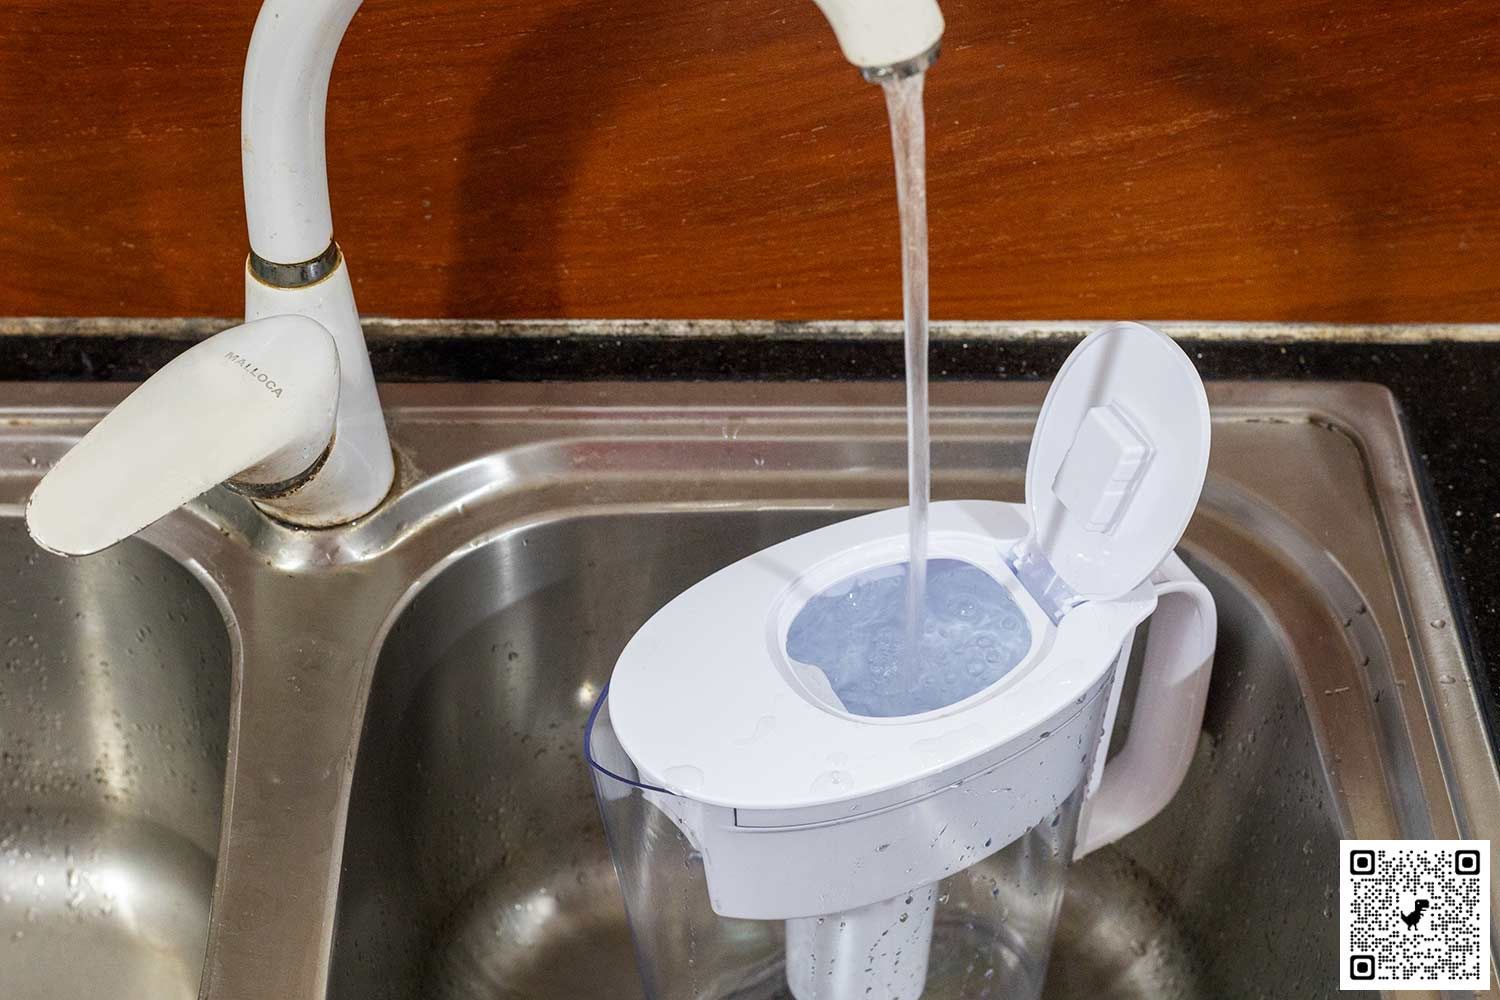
(1117, 459)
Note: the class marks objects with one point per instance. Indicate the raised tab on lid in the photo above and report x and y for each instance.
(1117, 459)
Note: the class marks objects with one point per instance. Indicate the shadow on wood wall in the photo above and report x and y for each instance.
(1272, 159)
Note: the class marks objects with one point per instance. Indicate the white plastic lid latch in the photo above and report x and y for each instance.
(1103, 467)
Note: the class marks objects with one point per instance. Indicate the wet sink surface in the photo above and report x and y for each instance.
(114, 705)
(408, 811)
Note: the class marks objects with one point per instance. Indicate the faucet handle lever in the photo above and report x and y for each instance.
(255, 404)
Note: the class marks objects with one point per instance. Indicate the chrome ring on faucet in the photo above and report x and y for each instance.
(286, 487)
(902, 70)
(308, 272)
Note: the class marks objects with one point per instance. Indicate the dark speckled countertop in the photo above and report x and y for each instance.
(1444, 388)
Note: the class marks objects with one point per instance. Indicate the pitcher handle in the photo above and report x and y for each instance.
(1149, 767)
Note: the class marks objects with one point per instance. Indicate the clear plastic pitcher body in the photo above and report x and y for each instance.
(983, 932)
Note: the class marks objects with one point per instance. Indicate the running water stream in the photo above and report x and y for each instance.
(903, 100)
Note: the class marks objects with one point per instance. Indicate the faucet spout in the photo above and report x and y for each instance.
(886, 38)
(282, 109)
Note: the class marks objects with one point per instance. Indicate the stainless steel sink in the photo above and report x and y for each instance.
(114, 707)
(408, 814)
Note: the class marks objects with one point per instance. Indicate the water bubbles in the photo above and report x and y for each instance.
(884, 653)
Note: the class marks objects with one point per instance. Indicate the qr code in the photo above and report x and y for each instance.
(1414, 914)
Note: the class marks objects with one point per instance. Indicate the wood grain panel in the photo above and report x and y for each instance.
(1267, 159)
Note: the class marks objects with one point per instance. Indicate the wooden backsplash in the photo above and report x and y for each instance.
(1335, 160)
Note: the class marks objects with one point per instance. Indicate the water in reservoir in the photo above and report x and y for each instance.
(973, 634)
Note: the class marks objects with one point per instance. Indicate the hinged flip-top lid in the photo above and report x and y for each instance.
(1117, 459)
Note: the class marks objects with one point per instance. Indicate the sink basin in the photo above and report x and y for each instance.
(476, 864)
(114, 708)
(406, 811)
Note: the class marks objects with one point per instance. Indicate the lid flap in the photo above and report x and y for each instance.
(1117, 459)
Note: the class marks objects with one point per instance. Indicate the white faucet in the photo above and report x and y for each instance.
(886, 37)
(284, 408)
